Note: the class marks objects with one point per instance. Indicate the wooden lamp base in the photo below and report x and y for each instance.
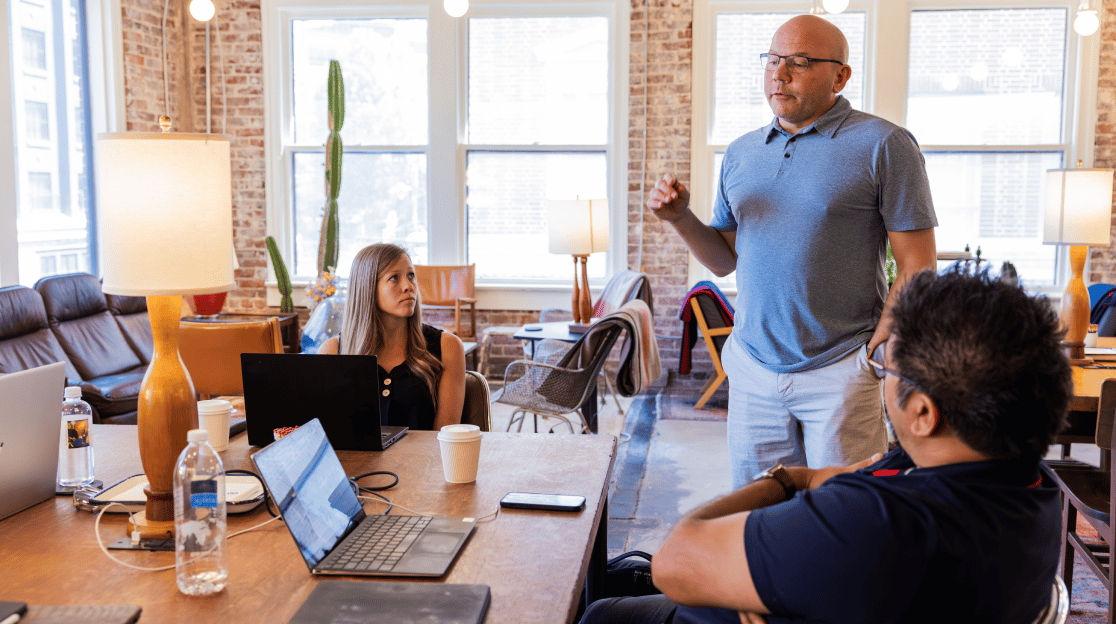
(1075, 309)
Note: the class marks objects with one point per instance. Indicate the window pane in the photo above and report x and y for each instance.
(34, 50)
(384, 66)
(38, 122)
(987, 77)
(383, 199)
(52, 158)
(506, 210)
(538, 80)
(994, 201)
(738, 100)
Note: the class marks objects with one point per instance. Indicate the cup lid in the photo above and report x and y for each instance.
(459, 432)
(213, 406)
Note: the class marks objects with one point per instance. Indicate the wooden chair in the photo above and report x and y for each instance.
(1087, 492)
(445, 287)
(477, 409)
(211, 352)
(715, 335)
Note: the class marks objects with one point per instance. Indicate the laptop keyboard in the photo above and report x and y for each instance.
(378, 543)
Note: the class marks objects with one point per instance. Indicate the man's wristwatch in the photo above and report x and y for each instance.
(780, 474)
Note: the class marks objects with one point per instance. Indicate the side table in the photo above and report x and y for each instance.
(288, 325)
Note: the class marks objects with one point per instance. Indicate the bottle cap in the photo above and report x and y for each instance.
(72, 392)
(197, 435)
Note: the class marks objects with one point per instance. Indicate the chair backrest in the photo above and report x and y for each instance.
(211, 351)
(79, 317)
(131, 314)
(443, 285)
(478, 409)
(710, 319)
(26, 340)
(1106, 413)
(571, 390)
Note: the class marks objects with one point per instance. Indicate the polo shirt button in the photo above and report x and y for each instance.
(786, 155)
(387, 392)
(387, 382)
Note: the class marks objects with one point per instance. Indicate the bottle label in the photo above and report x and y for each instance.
(77, 433)
(203, 493)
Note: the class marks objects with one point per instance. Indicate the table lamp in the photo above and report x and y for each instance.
(578, 227)
(165, 201)
(1079, 214)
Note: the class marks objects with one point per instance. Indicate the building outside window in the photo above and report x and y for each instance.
(53, 133)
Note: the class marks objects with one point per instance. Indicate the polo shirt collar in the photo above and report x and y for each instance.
(826, 125)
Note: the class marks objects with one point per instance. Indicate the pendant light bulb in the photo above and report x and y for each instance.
(835, 6)
(456, 8)
(202, 10)
(1086, 23)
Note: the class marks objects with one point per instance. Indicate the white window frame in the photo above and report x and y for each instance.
(887, 39)
(106, 94)
(446, 148)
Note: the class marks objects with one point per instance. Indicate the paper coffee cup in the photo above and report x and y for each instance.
(214, 416)
(460, 452)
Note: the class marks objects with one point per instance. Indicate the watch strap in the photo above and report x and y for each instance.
(780, 474)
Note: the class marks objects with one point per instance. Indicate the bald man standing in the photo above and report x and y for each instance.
(805, 208)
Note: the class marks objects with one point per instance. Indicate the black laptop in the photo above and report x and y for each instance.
(288, 390)
(321, 510)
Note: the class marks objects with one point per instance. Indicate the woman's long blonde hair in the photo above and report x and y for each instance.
(363, 329)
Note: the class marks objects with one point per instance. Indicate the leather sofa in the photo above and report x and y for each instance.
(67, 318)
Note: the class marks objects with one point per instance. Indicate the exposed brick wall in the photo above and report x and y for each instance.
(1102, 263)
(144, 102)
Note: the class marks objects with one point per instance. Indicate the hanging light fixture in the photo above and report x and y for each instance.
(202, 10)
(456, 8)
(1087, 21)
(835, 6)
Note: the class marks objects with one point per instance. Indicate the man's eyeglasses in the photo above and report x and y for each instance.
(795, 64)
(877, 359)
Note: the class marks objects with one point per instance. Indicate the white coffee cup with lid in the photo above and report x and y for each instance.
(214, 416)
(460, 446)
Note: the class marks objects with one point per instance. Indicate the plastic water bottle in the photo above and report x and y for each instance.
(75, 446)
(201, 564)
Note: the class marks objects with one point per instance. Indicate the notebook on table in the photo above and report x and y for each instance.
(30, 422)
(352, 602)
(343, 391)
(321, 510)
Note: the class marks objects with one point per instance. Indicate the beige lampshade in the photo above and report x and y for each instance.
(165, 207)
(1078, 207)
(577, 226)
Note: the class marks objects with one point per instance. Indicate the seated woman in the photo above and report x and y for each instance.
(422, 368)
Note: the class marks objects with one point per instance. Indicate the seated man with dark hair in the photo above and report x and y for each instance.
(955, 525)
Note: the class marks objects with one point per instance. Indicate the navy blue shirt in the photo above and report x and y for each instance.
(972, 542)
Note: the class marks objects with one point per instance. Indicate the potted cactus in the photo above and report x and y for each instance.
(282, 279)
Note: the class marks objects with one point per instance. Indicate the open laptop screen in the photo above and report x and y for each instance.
(311, 489)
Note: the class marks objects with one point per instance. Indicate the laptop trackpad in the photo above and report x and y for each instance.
(431, 553)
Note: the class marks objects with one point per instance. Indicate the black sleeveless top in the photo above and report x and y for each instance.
(404, 398)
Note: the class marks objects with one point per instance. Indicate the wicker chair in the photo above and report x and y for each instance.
(558, 390)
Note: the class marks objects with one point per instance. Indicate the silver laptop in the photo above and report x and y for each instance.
(321, 510)
(30, 422)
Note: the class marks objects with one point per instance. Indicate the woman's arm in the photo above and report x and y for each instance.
(330, 347)
(451, 387)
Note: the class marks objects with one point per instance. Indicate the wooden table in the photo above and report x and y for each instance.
(1087, 381)
(288, 325)
(535, 562)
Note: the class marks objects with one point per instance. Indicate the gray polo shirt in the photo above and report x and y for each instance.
(811, 213)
